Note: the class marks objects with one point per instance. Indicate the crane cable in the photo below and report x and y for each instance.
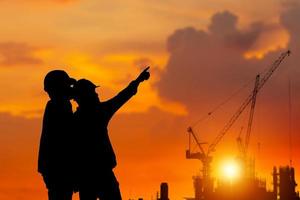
(235, 93)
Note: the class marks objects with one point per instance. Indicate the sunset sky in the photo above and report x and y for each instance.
(200, 53)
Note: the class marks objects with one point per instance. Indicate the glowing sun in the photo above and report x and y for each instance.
(231, 169)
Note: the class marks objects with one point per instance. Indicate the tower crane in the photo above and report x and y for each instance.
(244, 147)
(205, 156)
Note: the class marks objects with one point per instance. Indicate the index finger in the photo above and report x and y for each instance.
(146, 69)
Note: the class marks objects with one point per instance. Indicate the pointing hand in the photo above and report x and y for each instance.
(144, 75)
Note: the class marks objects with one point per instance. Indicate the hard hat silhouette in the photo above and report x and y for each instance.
(83, 85)
(55, 79)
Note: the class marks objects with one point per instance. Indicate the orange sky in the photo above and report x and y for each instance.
(193, 70)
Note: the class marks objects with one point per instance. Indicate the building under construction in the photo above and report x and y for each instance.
(284, 188)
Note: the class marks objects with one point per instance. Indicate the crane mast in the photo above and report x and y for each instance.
(248, 169)
(249, 127)
(243, 148)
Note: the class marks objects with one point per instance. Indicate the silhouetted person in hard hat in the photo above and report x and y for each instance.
(55, 161)
(96, 156)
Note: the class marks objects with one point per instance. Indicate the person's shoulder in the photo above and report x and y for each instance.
(49, 103)
(49, 106)
(49, 110)
(52, 106)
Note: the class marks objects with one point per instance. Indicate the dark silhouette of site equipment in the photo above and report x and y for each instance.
(284, 183)
(250, 185)
(284, 186)
(164, 192)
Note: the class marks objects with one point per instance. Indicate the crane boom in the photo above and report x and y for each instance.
(236, 115)
(190, 130)
(274, 66)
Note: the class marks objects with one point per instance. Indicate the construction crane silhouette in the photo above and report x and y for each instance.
(243, 146)
(205, 156)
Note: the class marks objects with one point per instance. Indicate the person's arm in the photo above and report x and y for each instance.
(43, 148)
(120, 99)
(43, 155)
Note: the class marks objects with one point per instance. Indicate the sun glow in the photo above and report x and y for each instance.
(231, 170)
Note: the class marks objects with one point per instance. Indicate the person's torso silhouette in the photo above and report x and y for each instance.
(96, 156)
(56, 152)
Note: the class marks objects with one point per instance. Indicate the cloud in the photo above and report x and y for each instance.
(222, 32)
(201, 62)
(12, 53)
(223, 23)
(289, 19)
(224, 26)
(207, 66)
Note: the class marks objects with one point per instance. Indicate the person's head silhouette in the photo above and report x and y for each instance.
(85, 93)
(59, 85)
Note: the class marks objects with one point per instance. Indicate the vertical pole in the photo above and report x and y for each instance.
(290, 123)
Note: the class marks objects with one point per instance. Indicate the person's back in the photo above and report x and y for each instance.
(55, 148)
(55, 161)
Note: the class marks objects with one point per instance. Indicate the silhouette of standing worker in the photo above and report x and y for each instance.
(96, 156)
(56, 151)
